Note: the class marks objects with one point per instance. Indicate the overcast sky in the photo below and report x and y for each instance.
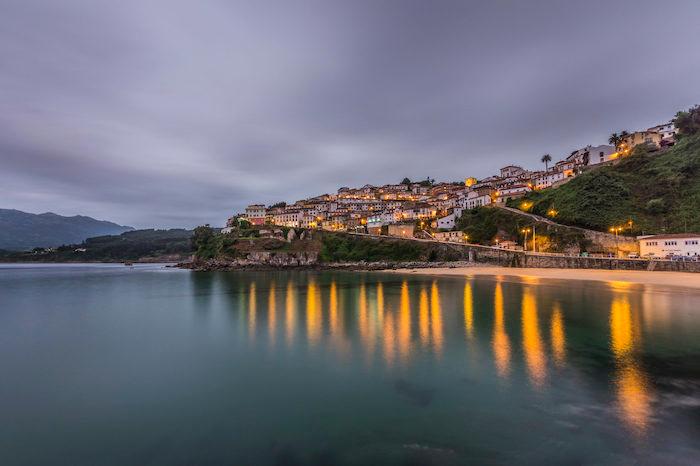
(177, 113)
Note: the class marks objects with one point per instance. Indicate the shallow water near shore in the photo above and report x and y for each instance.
(106, 364)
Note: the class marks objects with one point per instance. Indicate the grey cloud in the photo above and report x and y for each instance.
(175, 113)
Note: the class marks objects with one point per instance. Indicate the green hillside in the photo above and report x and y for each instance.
(137, 245)
(658, 191)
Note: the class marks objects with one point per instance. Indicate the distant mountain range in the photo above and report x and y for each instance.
(21, 230)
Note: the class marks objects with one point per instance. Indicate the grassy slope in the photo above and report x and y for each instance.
(660, 192)
(484, 224)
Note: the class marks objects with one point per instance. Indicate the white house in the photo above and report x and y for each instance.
(447, 222)
(476, 198)
(545, 180)
(666, 130)
(288, 218)
(679, 244)
(513, 192)
(593, 155)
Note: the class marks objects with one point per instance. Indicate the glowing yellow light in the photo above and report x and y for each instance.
(252, 310)
(290, 312)
(436, 318)
(272, 313)
(532, 341)
(404, 323)
(500, 342)
(558, 336)
(423, 323)
(468, 310)
(634, 398)
(313, 313)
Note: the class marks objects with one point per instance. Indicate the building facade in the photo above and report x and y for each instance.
(660, 246)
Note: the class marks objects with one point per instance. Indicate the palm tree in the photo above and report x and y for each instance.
(546, 158)
(615, 140)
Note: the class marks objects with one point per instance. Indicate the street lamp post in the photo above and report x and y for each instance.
(526, 231)
(616, 230)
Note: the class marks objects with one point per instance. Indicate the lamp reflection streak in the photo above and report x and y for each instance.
(404, 323)
(272, 314)
(313, 313)
(501, 341)
(290, 313)
(558, 335)
(436, 318)
(423, 316)
(252, 311)
(633, 394)
(468, 310)
(532, 342)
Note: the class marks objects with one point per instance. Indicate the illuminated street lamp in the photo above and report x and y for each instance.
(525, 231)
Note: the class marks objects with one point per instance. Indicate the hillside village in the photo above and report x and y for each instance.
(432, 210)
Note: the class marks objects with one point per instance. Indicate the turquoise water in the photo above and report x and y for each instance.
(154, 366)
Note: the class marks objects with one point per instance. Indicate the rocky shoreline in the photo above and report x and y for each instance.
(222, 265)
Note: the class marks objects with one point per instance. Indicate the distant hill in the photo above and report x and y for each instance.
(22, 231)
(658, 191)
(135, 245)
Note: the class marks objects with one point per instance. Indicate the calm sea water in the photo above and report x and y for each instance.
(154, 366)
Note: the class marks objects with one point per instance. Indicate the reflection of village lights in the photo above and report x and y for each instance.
(500, 341)
(532, 341)
(633, 393)
(558, 336)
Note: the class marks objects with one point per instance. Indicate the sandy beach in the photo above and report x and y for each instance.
(678, 279)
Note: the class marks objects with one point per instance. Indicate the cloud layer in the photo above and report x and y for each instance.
(176, 113)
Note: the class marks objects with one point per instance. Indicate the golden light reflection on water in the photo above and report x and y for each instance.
(500, 342)
(366, 329)
(272, 314)
(290, 301)
(633, 393)
(385, 324)
(389, 338)
(380, 303)
(252, 310)
(436, 319)
(333, 308)
(313, 313)
(535, 358)
(558, 334)
(404, 323)
(468, 309)
(423, 315)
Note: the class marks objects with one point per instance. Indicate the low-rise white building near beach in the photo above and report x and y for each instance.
(679, 244)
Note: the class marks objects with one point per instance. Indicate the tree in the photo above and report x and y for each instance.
(688, 123)
(615, 140)
(406, 181)
(205, 242)
(546, 158)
